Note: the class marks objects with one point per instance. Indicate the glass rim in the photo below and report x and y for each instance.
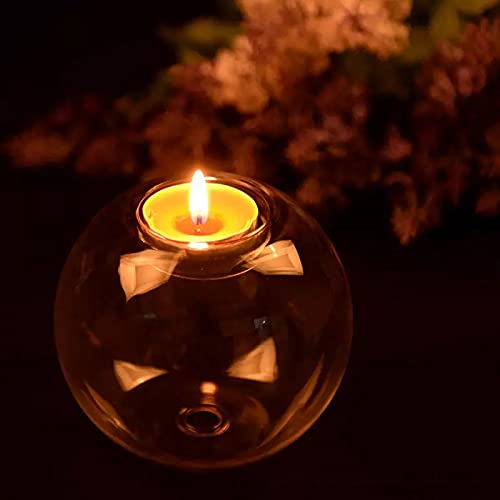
(256, 190)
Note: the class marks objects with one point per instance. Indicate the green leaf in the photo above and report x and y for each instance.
(161, 85)
(420, 46)
(474, 7)
(210, 31)
(135, 106)
(358, 65)
(228, 9)
(189, 56)
(203, 33)
(445, 23)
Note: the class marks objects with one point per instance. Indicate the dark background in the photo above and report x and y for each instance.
(416, 415)
(54, 49)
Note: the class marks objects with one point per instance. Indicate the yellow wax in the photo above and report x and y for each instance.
(167, 210)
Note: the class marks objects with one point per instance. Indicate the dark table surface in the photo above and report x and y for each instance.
(416, 415)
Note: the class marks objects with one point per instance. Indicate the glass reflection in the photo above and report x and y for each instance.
(142, 272)
(259, 364)
(130, 376)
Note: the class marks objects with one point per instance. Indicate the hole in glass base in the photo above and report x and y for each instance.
(202, 421)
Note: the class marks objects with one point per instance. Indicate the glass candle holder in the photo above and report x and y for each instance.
(209, 355)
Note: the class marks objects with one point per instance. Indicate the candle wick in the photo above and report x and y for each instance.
(199, 220)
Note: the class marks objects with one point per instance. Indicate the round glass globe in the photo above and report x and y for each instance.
(205, 357)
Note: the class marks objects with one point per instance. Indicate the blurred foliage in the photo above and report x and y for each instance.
(203, 36)
(435, 20)
(445, 23)
(474, 7)
(200, 38)
(136, 107)
(323, 97)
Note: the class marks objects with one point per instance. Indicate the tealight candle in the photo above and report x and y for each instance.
(200, 212)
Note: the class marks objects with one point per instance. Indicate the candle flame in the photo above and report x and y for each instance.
(198, 199)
